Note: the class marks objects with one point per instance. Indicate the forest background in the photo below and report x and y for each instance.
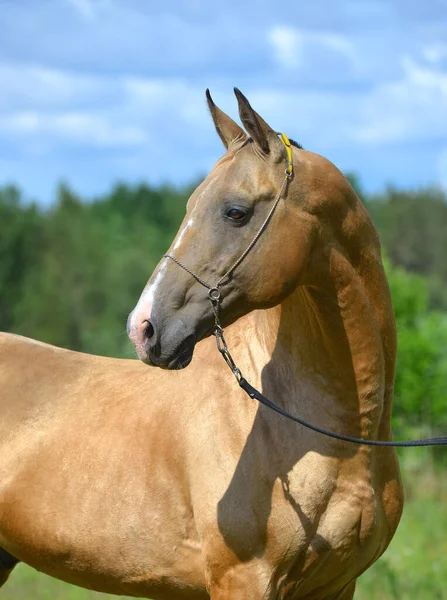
(71, 271)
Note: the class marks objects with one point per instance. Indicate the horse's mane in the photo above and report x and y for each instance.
(296, 144)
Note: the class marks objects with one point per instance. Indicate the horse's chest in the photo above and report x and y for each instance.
(320, 540)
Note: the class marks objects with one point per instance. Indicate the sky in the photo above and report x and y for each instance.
(98, 91)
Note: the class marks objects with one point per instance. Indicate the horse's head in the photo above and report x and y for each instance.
(223, 216)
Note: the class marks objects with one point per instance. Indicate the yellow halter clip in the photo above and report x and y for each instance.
(287, 145)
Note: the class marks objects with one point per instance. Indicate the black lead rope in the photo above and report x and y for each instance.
(256, 395)
(214, 296)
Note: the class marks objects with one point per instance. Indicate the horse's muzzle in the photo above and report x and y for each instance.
(169, 346)
(179, 359)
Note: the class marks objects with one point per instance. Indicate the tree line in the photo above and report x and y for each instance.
(71, 272)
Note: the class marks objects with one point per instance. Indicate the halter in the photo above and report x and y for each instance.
(215, 297)
(214, 294)
(214, 290)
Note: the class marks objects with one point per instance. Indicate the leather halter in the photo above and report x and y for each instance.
(214, 290)
(214, 295)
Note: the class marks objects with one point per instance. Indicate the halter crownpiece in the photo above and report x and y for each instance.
(288, 146)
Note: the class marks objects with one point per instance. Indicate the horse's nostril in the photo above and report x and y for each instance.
(148, 330)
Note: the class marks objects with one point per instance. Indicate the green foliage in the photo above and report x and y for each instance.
(412, 226)
(20, 238)
(70, 275)
(354, 180)
(421, 377)
(27, 584)
(415, 564)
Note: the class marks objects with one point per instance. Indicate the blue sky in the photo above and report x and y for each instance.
(95, 91)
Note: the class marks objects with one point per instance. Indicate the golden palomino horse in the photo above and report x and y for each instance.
(172, 484)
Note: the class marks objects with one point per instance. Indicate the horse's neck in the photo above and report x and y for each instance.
(330, 350)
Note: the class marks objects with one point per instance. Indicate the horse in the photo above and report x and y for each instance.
(171, 482)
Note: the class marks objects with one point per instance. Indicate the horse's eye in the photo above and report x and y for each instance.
(236, 214)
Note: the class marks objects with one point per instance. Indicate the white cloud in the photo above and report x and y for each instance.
(364, 76)
(84, 7)
(287, 45)
(62, 107)
(28, 85)
(102, 111)
(88, 9)
(174, 97)
(432, 79)
(293, 47)
(412, 108)
(77, 127)
(435, 52)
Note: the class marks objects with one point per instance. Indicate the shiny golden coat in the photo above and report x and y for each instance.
(173, 484)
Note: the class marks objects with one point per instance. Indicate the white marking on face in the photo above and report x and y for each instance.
(143, 309)
(146, 301)
(182, 234)
(152, 287)
(190, 222)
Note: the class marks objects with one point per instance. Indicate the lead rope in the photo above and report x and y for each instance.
(215, 298)
(255, 394)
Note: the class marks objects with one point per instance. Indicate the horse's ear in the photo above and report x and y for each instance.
(229, 131)
(262, 134)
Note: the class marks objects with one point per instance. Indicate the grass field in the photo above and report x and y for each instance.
(413, 568)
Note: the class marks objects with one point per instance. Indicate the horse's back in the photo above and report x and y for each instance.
(14, 342)
(28, 369)
(39, 382)
(21, 356)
